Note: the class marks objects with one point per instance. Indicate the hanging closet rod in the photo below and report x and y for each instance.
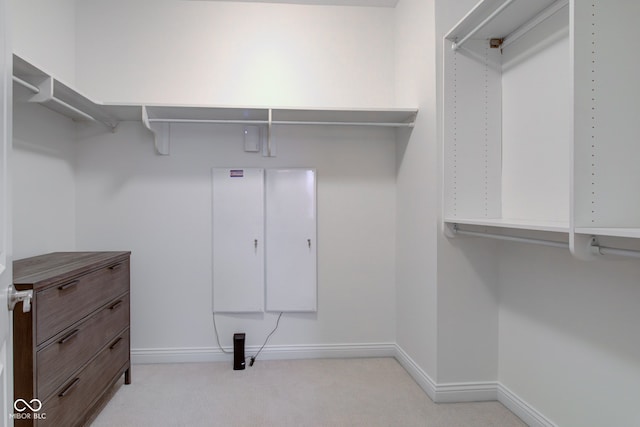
(79, 112)
(537, 20)
(279, 122)
(212, 121)
(543, 242)
(294, 122)
(458, 44)
(36, 90)
(28, 85)
(603, 250)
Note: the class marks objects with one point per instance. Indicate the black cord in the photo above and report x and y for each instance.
(217, 337)
(253, 358)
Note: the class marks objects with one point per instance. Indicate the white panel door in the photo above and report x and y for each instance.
(238, 240)
(291, 240)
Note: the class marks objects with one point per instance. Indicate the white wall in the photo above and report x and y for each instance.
(223, 53)
(159, 207)
(417, 186)
(569, 335)
(44, 33)
(43, 180)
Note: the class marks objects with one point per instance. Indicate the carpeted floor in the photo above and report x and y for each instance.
(295, 393)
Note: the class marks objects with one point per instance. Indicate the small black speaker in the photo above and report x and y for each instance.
(238, 352)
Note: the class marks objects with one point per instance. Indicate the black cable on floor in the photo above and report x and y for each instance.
(253, 358)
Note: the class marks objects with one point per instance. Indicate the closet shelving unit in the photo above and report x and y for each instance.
(53, 94)
(159, 118)
(541, 123)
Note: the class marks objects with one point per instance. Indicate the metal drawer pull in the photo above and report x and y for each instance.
(115, 266)
(68, 285)
(69, 336)
(116, 305)
(115, 343)
(69, 388)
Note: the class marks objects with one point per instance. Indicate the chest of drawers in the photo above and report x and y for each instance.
(73, 345)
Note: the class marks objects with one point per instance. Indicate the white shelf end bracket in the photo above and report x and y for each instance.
(160, 131)
(269, 148)
(583, 247)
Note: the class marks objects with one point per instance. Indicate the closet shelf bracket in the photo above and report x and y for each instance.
(160, 130)
(270, 147)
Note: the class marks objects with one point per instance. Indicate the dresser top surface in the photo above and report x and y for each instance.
(43, 269)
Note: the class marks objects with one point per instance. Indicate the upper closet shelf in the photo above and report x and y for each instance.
(158, 118)
(394, 117)
(610, 232)
(59, 97)
(502, 21)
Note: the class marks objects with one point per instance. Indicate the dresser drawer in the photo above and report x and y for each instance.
(73, 348)
(66, 302)
(69, 403)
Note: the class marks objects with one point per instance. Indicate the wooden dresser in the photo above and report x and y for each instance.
(73, 345)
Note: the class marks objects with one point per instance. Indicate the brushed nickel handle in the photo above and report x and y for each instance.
(14, 296)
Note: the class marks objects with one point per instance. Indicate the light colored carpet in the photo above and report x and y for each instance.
(296, 393)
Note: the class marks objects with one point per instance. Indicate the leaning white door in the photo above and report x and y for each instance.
(6, 71)
(238, 240)
(291, 240)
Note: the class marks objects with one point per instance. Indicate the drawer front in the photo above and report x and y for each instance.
(73, 348)
(69, 403)
(63, 304)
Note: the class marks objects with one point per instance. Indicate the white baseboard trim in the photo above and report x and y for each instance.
(447, 393)
(214, 354)
(466, 392)
(522, 409)
(416, 372)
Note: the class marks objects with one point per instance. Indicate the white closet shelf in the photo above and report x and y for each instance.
(609, 232)
(502, 19)
(520, 224)
(157, 118)
(393, 117)
(57, 96)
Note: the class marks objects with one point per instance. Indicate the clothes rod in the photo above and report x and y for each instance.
(294, 122)
(602, 250)
(26, 84)
(551, 243)
(239, 122)
(488, 19)
(75, 110)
